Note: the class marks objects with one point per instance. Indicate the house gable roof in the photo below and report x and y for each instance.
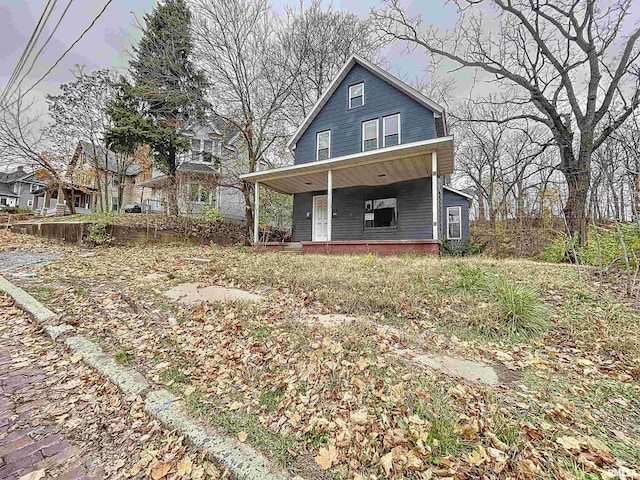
(437, 110)
(458, 192)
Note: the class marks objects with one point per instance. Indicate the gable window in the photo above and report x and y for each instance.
(391, 130)
(382, 212)
(370, 135)
(454, 223)
(323, 145)
(356, 95)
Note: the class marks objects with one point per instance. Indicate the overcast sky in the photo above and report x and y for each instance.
(106, 45)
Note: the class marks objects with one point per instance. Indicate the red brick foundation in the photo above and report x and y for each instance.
(359, 247)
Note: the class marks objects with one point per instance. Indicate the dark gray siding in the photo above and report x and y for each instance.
(380, 99)
(414, 212)
(452, 199)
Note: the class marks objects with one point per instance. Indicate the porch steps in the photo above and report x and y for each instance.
(293, 247)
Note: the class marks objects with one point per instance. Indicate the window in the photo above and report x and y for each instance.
(356, 95)
(196, 149)
(3, 201)
(33, 187)
(207, 150)
(454, 223)
(29, 203)
(114, 181)
(76, 201)
(370, 135)
(114, 204)
(391, 130)
(323, 145)
(381, 213)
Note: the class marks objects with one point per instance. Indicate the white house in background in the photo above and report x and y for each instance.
(200, 172)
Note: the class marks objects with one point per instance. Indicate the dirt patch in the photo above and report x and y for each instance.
(188, 293)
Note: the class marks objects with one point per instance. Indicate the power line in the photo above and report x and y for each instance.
(84, 32)
(33, 39)
(44, 45)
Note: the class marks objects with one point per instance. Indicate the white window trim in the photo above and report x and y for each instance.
(377, 133)
(459, 208)
(318, 143)
(384, 129)
(350, 97)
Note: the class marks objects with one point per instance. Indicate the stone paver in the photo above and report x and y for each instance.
(188, 293)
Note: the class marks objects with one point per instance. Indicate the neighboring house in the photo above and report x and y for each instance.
(371, 160)
(201, 175)
(17, 188)
(92, 180)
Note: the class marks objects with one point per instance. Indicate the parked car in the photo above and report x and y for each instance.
(132, 208)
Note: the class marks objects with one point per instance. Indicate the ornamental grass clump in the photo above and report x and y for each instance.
(522, 313)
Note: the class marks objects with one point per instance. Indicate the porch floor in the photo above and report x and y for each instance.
(356, 247)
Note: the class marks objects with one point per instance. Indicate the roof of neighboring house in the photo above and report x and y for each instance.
(17, 175)
(6, 191)
(196, 167)
(386, 76)
(458, 192)
(105, 158)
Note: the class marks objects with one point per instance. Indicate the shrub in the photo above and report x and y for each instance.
(456, 248)
(212, 214)
(98, 235)
(603, 245)
(521, 310)
(554, 251)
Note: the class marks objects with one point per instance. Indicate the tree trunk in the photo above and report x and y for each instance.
(636, 196)
(172, 193)
(575, 209)
(248, 211)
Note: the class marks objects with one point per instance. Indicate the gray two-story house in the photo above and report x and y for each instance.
(371, 160)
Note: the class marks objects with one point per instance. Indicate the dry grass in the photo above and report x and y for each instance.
(254, 368)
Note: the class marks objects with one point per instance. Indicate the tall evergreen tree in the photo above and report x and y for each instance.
(169, 86)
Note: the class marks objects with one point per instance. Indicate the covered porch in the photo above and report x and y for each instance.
(384, 201)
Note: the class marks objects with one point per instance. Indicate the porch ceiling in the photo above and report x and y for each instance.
(378, 167)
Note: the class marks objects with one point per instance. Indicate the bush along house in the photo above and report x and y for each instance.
(371, 160)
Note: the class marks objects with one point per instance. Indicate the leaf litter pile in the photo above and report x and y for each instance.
(331, 401)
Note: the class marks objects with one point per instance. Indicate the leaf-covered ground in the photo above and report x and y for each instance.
(329, 401)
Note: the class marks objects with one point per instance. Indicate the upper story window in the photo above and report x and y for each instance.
(454, 223)
(323, 145)
(356, 95)
(196, 148)
(207, 150)
(391, 130)
(370, 135)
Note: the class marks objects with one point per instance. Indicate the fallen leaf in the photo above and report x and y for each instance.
(242, 436)
(387, 463)
(184, 466)
(327, 457)
(160, 470)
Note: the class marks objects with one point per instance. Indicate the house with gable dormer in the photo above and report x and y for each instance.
(371, 163)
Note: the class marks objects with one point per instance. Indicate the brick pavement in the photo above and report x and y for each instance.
(24, 448)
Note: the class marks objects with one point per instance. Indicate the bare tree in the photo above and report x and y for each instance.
(240, 45)
(22, 141)
(568, 62)
(321, 40)
(79, 114)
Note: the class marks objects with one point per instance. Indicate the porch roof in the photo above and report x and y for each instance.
(376, 167)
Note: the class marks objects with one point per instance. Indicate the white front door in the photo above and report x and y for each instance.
(319, 220)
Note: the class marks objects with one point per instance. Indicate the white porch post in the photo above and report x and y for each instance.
(434, 193)
(329, 203)
(256, 213)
